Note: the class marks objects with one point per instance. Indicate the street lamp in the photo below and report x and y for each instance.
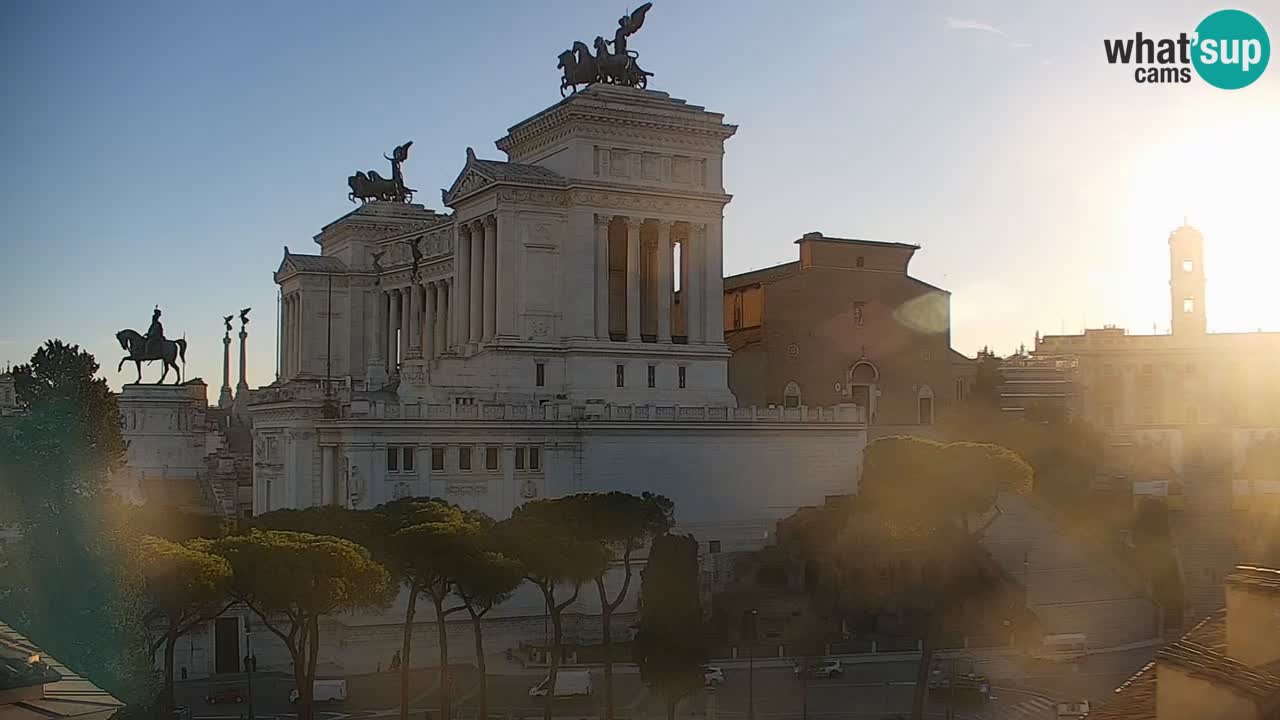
(249, 662)
(751, 664)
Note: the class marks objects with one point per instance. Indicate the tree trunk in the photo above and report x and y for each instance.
(606, 638)
(922, 670)
(301, 680)
(442, 633)
(671, 707)
(404, 651)
(483, 713)
(313, 652)
(170, 643)
(554, 668)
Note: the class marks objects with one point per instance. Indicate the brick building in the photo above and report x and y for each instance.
(845, 323)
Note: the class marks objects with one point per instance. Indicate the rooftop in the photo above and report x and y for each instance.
(856, 241)
(64, 695)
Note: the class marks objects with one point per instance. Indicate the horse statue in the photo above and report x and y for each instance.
(372, 186)
(171, 351)
(619, 67)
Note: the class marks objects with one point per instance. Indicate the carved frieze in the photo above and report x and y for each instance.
(634, 202)
(469, 489)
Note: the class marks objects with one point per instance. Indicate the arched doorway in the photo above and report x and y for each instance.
(863, 384)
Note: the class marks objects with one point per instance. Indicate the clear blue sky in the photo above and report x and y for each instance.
(161, 152)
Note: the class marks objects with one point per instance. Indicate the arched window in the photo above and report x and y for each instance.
(924, 405)
(791, 395)
(863, 372)
(860, 262)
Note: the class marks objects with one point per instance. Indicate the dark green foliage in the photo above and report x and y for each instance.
(669, 647)
(65, 582)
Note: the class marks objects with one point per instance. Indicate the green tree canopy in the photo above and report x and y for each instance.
(669, 645)
(291, 579)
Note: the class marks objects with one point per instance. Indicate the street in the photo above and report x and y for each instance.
(864, 690)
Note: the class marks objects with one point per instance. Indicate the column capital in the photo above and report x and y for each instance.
(664, 225)
(603, 219)
(489, 221)
(632, 222)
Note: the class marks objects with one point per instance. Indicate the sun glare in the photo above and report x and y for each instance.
(1222, 179)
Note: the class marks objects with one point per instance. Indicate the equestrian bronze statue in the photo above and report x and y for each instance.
(617, 67)
(153, 346)
(372, 186)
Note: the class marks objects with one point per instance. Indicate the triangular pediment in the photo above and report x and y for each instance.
(472, 178)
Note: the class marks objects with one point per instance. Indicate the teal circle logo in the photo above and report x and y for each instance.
(1231, 49)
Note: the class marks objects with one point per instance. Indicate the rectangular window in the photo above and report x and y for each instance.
(464, 457)
(437, 458)
(407, 455)
(393, 460)
(535, 458)
(681, 372)
(540, 374)
(653, 376)
(859, 310)
(713, 547)
(519, 458)
(491, 458)
(621, 371)
(1188, 266)
(1188, 305)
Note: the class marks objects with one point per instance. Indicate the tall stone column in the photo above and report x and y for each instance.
(393, 329)
(490, 319)
(328, 479)
(664, 281)
(244, 382)
(713, 277)
(475, 323)
(633, 279)
(224, 397)
(296, 326)
(429, 341)
(508, 269)
(602, 276)
(695, 311)
(413, 323)
(444, 316)
(461, 300)
(377, 326)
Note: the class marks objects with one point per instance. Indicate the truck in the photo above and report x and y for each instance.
(324, 691)
(569, 683)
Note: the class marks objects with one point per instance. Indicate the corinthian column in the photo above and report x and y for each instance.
(633, 279)
(664, 281)
(393, 340)
(413, 323)
(430, 344)
(460, 293)
(602, 276)
(475, 325)
(490, 319)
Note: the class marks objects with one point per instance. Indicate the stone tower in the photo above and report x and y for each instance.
(1186, 281)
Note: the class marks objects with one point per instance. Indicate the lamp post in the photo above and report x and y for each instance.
(249, 662)
(751, 664)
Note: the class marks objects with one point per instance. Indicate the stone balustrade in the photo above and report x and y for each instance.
(601, 412)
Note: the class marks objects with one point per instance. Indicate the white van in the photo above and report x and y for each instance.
(324, 691)
(1064, 647)
(569, 683)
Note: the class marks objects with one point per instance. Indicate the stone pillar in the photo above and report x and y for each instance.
(393, 328)
(430, 343)
(461, 299)
(508, 270)
(377, 326)
(444, 316)
(328, 481)
(413, 322)
(602, 276)
(295, 327)
(695, 312)
(490, 318)
(224, 397)
(684, 279)
(244, 383)
(713, 290)
(633, 279)
(475, 300)
(664, 281)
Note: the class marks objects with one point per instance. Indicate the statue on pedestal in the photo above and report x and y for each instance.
(152, 346)
(618, 67)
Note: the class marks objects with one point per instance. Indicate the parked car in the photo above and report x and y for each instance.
(1073, 710)
(712, 676)
(224, 695)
